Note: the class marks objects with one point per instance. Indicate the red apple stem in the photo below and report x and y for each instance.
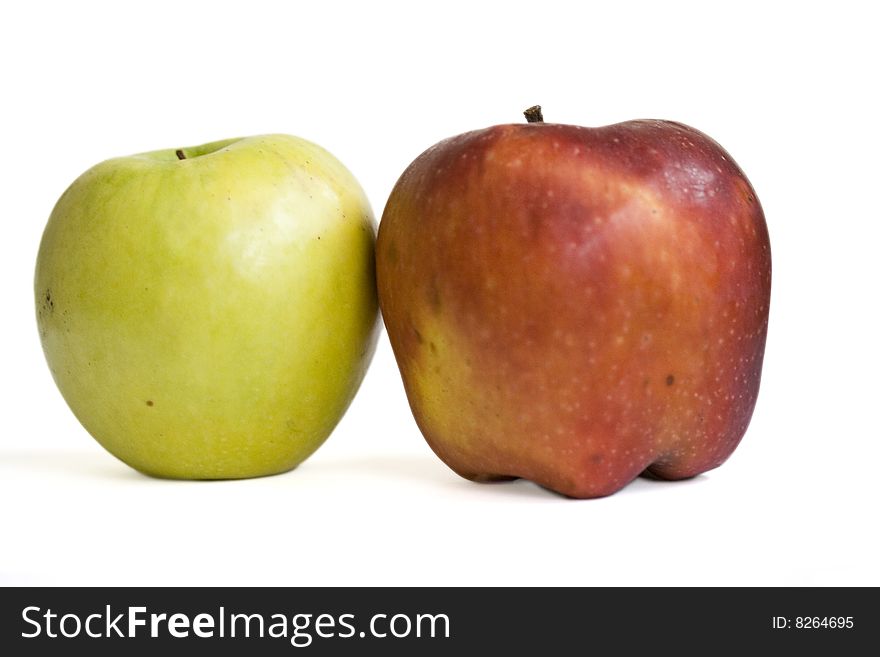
(534, 115)
(179, 154)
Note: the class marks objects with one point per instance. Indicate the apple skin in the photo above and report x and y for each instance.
(577, 306)
(210, 317)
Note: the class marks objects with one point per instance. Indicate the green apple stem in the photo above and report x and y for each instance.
(179, 154)
(534, 115)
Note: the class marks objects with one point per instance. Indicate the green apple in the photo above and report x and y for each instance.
(210, 312)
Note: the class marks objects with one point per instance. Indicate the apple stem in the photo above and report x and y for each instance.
(533, 114)
(180, 155)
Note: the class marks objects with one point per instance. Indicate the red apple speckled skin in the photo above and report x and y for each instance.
(576, 306)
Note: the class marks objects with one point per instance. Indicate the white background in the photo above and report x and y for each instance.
(789, 90)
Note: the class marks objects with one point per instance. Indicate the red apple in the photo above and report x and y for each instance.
(577, 306)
